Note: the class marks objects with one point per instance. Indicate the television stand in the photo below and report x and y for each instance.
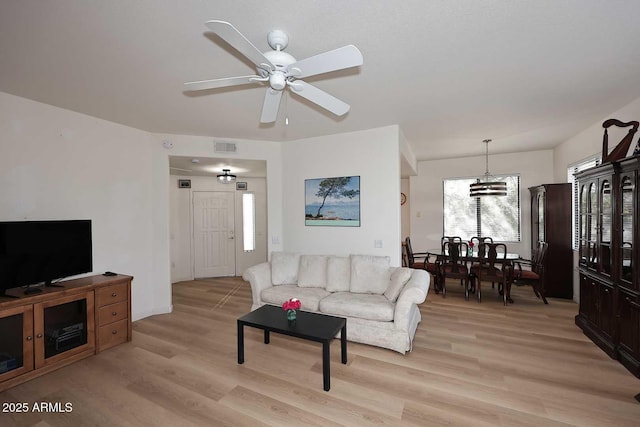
(52, 327)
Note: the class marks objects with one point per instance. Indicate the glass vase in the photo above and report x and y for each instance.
(291, 315)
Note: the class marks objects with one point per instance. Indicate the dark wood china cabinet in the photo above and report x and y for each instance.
(608, 257)
(551, 223)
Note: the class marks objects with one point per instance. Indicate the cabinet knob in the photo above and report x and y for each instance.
(114, 332)
(39, 336)
(114, 295)
(29, 338)
(114, 313)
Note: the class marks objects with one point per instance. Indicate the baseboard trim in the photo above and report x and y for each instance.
(160, 310)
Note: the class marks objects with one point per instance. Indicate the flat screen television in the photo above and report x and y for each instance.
(42, 252)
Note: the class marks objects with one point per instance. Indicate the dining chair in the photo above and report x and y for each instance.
(454, 265)
(421, 260)
(445, 239)
(533, 274)
(476, 240)
(492, 266)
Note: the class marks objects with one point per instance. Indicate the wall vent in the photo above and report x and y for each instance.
(224, 147)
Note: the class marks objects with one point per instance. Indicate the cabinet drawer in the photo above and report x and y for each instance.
(112, 313)
(111, 294)
(112, 334)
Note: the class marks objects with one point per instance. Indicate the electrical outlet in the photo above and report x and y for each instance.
(377, 244)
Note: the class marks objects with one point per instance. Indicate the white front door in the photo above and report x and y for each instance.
(213, 235)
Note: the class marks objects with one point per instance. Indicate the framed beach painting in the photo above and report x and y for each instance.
(332, 201)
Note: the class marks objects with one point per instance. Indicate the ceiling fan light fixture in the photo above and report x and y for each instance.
(487, 185)
(279, 69)
(226, 177)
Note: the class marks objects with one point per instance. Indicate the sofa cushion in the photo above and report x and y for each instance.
(284, 268)
(363, 306)
(338, 274)
(309, 297)
(399, 277)
(369, 274)
(312, 272)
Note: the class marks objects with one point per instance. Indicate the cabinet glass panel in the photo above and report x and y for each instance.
(541, 219)
(605, 227)
(11, 328)
(65, 327)
(593, 201)
(626, 229)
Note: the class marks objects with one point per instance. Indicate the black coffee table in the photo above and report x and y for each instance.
(309, 326)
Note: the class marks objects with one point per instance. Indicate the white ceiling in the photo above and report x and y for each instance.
(528, 74)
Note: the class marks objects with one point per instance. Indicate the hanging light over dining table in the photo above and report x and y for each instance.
(487, 185)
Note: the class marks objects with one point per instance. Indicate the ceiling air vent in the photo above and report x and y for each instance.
(224, 147)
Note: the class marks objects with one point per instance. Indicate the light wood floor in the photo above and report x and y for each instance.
(472, 364)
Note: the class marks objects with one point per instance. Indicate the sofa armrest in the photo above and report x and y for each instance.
(259, 276)
(414, 293)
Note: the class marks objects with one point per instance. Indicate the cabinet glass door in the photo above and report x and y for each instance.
(584, 225)
(63, 327)
(541, 227)
(16, 342)
(590, 216)
(606, 209)
(626, 229)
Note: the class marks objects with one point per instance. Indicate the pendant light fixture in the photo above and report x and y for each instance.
(226, 177)
(487, 185)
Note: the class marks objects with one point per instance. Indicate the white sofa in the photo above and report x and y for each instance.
(380, 302)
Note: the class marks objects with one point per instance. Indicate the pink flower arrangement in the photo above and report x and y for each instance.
(292, 304)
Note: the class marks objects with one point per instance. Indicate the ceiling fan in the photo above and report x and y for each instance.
(279, 69)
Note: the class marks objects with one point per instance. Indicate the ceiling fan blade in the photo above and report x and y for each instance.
(337, 59)
(270, 106)
(235, 38)
(319, 97)
(218, 83)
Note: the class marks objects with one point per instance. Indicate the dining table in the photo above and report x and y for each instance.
(474, 255)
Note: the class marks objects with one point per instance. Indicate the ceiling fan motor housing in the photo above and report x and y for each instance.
(278, 77)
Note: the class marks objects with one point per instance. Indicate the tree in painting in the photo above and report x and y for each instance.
(334, 188)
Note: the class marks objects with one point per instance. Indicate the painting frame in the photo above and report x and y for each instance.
(332, 202)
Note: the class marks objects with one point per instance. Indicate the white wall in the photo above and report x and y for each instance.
(58, 164)
(405, 210)
(534, 167)
(374, 156)
(181, 219)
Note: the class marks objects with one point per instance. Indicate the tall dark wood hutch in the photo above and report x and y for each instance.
(609, 286)
(551, 223)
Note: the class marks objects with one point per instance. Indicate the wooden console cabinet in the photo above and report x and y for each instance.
(608, 259)
(43, 332)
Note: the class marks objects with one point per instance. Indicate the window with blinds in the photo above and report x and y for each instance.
(248, 222)
(497, 217)
(575, 193)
